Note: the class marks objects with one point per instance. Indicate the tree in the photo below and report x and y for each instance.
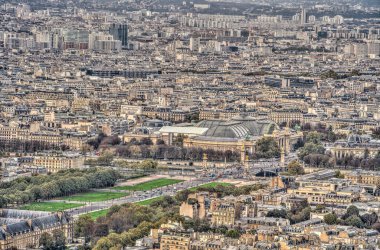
(181, 196)
(105, 159)
(351, 211)
(376, 226)
(366, 153)
(46, 241)
(233, 233)
(29, 189)
(314, 137)
(311, 148)
(376, 133)
(355, 221)
(160, 142)
(148, 164)
(110, 141)
(59, 240)
(339, 175)
(101, 230)
(295, 168)
(355, 72)
(277, 213)
(330, 218)
(96, 142)
(320, 208)
(84, 227)
(113, 209)
(267, 147)
(301, 215)
(178, 140)
(369, 219)
(222, 229)
(330, 74)
(146, 141)
(300, 143)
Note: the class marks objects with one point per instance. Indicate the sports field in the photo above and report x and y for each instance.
(149, 185)
(50, 206)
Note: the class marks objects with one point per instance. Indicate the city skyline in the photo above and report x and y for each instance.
(189, 125)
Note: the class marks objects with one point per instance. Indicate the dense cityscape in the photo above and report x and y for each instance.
(190, 125)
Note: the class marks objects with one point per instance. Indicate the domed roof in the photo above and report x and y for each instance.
(238, 127)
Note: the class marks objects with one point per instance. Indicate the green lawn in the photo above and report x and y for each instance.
(94, 196)
(97, 214)
(211, 185)
(149, 201)
(149, 185)
(50, 206)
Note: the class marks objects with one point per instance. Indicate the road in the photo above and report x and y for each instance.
(137, 196)
(232, 171)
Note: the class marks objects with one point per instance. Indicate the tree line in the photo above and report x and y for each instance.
(33, 188)
(124, 224)
(313, 153)
(352, 218)
(29, 146)
(266, 148)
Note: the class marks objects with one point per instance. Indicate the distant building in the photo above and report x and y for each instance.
(303, 16)
(22, 229)
(56, 163)
(364, 177)
(194, 207)
(119, 31)
(174, 242)
(357, 146)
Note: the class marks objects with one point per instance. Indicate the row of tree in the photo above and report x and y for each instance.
(32, 188)
(266, 148)
(30, 146)
(360, 162)
(326, 133)
(220, 190)
(353, 218)
(314, 153)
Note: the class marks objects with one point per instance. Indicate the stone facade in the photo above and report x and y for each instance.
(22, 229)
(194, 207)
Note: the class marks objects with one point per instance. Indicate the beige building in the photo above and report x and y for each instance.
(364, 177)
(326, 192)
(355, 145)
(15, 134)
(360, 238)
(240, 132)
(174, 242)
(287, 116)
(22, 229)
(224, 213)
(194, 207)
(54, 164)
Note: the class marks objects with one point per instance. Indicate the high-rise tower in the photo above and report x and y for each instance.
(119, 31)
(303, 17)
